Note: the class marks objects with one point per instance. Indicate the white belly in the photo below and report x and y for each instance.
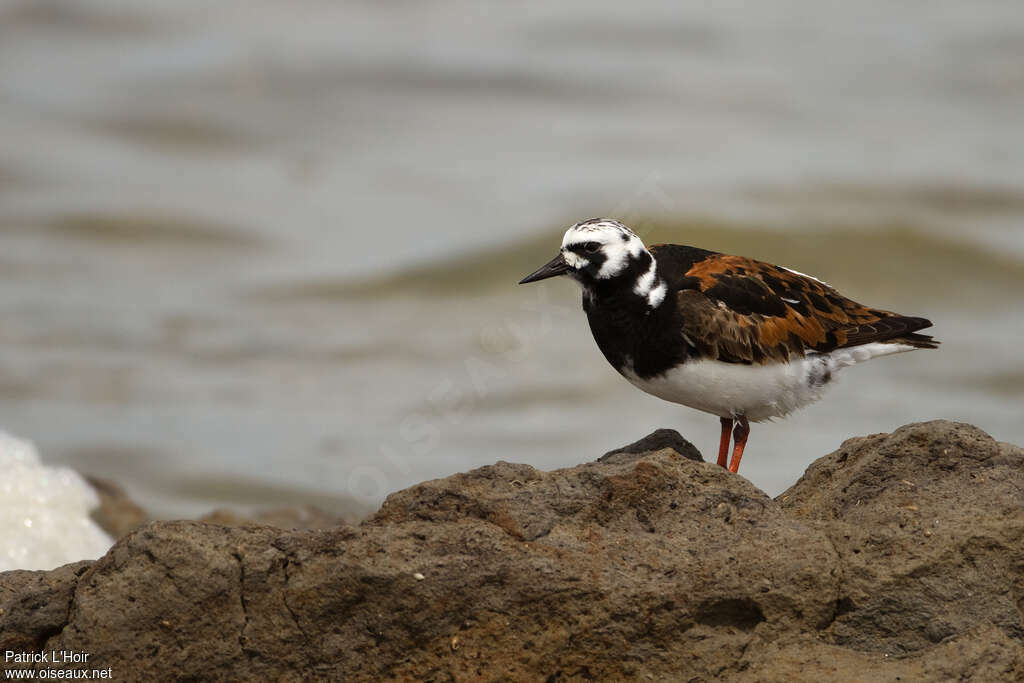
(759, 392)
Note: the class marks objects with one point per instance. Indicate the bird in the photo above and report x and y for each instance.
(728, 335)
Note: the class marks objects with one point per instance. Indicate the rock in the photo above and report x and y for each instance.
(117, 514)
(642, 565)
(984, 653)
(655, 441)
(929, 523)
(34, 605)
(290, 517)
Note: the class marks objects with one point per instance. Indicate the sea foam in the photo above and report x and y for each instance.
(44, 511)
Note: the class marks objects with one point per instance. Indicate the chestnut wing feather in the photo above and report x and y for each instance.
(740, 310)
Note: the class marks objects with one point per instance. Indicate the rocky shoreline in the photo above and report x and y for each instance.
(897, 557)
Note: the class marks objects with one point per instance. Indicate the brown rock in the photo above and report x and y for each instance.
(34, 605)
(290, 517)
(929, 522)
(645, 565)
(117, 514)
(984, 653)
(655, 441)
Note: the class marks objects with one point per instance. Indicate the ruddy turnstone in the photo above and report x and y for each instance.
(738, 338)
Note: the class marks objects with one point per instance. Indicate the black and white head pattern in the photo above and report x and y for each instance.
(601, 250)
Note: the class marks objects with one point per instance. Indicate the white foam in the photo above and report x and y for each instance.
(44, 511)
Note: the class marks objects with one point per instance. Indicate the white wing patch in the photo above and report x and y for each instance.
(852, 355)
(809, 277)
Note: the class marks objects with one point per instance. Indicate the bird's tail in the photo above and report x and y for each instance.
(918, 341)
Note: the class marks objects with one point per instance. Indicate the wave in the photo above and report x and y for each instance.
(897, 261)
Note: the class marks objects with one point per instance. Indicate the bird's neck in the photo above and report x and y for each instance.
(638, 288)
(635, 323)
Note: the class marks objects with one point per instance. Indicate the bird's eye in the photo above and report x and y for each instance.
(591, 247)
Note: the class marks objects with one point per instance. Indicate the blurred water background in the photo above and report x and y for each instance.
(258, 253)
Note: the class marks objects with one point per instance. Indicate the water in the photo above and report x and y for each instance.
(262, 253)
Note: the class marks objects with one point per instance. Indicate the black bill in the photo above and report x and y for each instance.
(556, 266)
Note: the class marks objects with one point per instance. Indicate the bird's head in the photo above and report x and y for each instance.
(600, 254)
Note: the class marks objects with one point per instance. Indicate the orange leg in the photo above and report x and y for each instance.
(723, 445)
(740, 435)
